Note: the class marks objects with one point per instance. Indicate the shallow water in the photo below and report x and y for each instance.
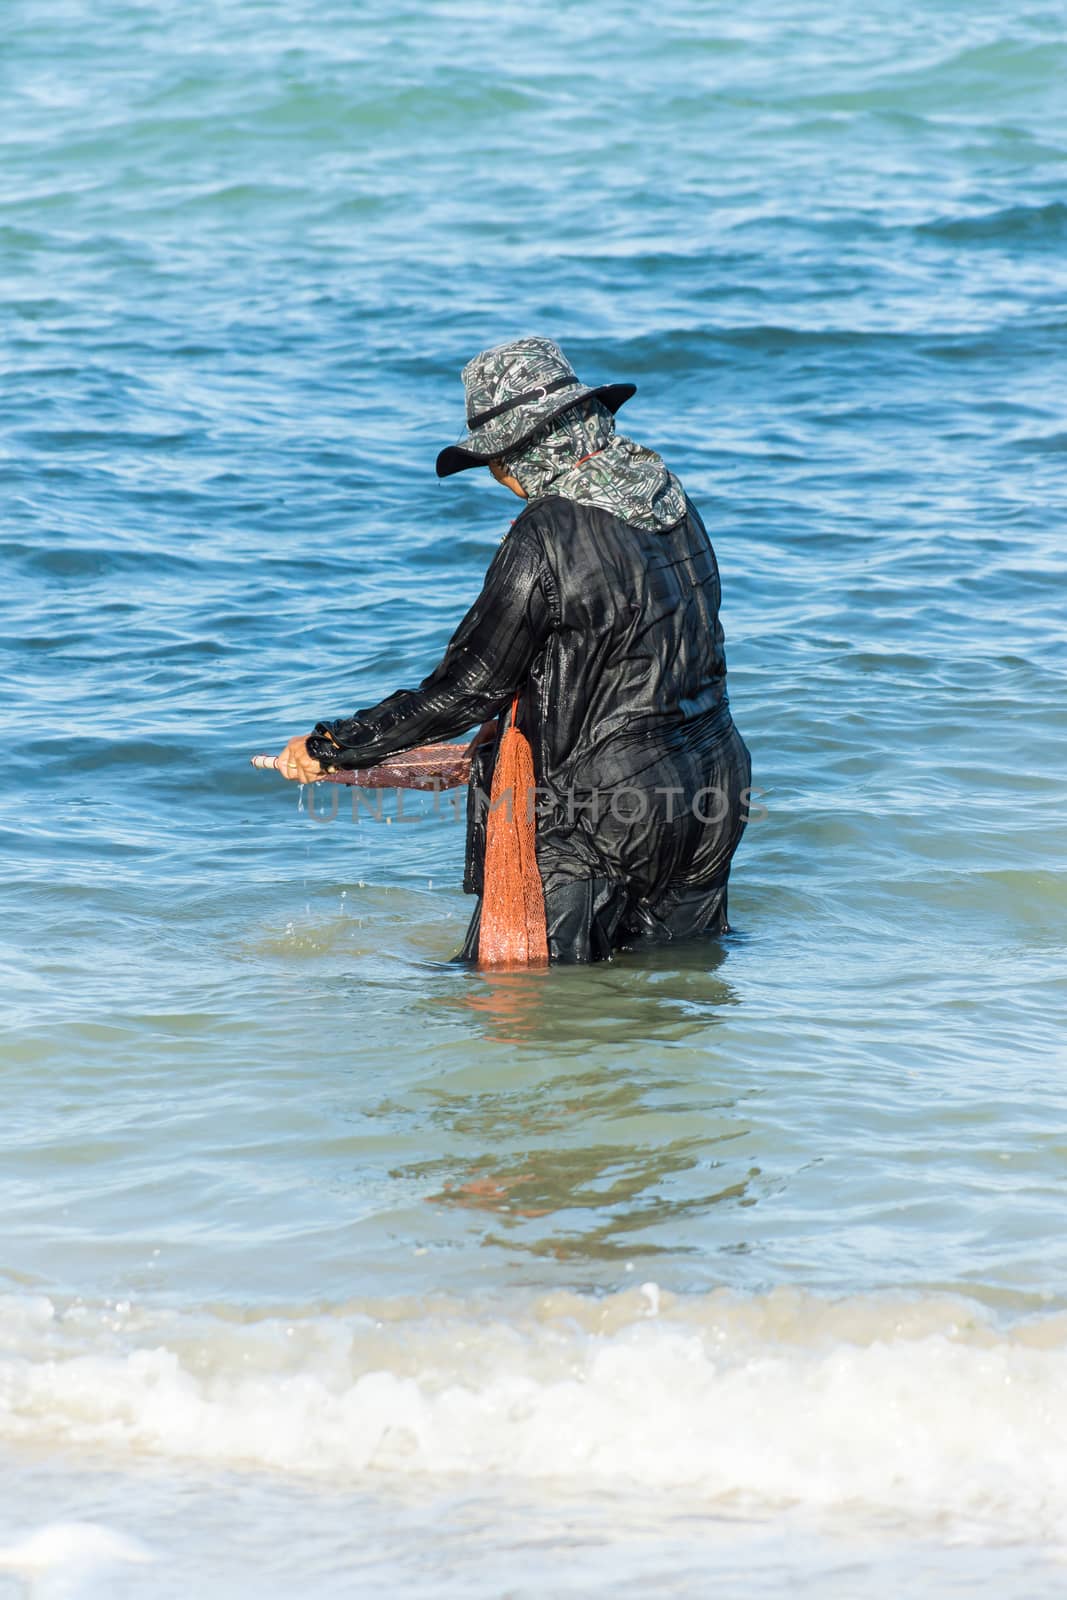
(323, 1261)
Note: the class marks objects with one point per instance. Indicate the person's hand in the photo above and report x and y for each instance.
(486, 732)
(295, 764)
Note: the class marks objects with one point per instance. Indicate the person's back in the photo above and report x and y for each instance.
(637, 645)
(641, 773)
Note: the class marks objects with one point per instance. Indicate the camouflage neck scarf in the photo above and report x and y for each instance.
(620, 476)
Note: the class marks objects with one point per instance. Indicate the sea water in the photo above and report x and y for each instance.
(327, 1266)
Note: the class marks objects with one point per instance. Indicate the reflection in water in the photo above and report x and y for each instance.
(616, 1190)
(586, 1164)
(664, 994)
(604, 1129)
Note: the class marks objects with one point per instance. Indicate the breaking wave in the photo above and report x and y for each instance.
(914, 1408)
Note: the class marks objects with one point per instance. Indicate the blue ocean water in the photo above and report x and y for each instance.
(321, 1260)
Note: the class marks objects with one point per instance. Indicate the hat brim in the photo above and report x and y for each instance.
(458, 457)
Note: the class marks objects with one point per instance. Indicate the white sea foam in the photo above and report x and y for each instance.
(83, 1547)
(72, 1560)
(917, 1408)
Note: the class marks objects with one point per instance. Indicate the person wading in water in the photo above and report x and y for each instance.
(598, 629)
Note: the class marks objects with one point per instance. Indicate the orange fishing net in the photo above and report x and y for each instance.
(512, 931)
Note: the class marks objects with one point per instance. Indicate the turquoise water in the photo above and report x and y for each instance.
(737, 1269)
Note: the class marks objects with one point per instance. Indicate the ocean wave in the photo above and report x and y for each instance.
(908, 1408)
(1006, 224)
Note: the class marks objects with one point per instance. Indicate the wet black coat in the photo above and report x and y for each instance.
(611, 636)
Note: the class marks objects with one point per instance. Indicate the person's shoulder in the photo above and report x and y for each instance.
(543, 523)
(546, 511)
(524, 544)
(694, 514)
(557, 516)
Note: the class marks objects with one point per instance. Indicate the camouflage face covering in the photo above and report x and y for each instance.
(620, 476)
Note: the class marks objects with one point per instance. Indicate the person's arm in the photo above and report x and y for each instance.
(487, 660)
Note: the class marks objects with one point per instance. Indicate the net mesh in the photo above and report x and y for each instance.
(430, 766)
(512, 930)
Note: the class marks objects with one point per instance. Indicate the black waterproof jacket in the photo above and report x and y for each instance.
(610, 636)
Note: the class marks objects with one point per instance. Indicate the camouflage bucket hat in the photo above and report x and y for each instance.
(512, 391)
